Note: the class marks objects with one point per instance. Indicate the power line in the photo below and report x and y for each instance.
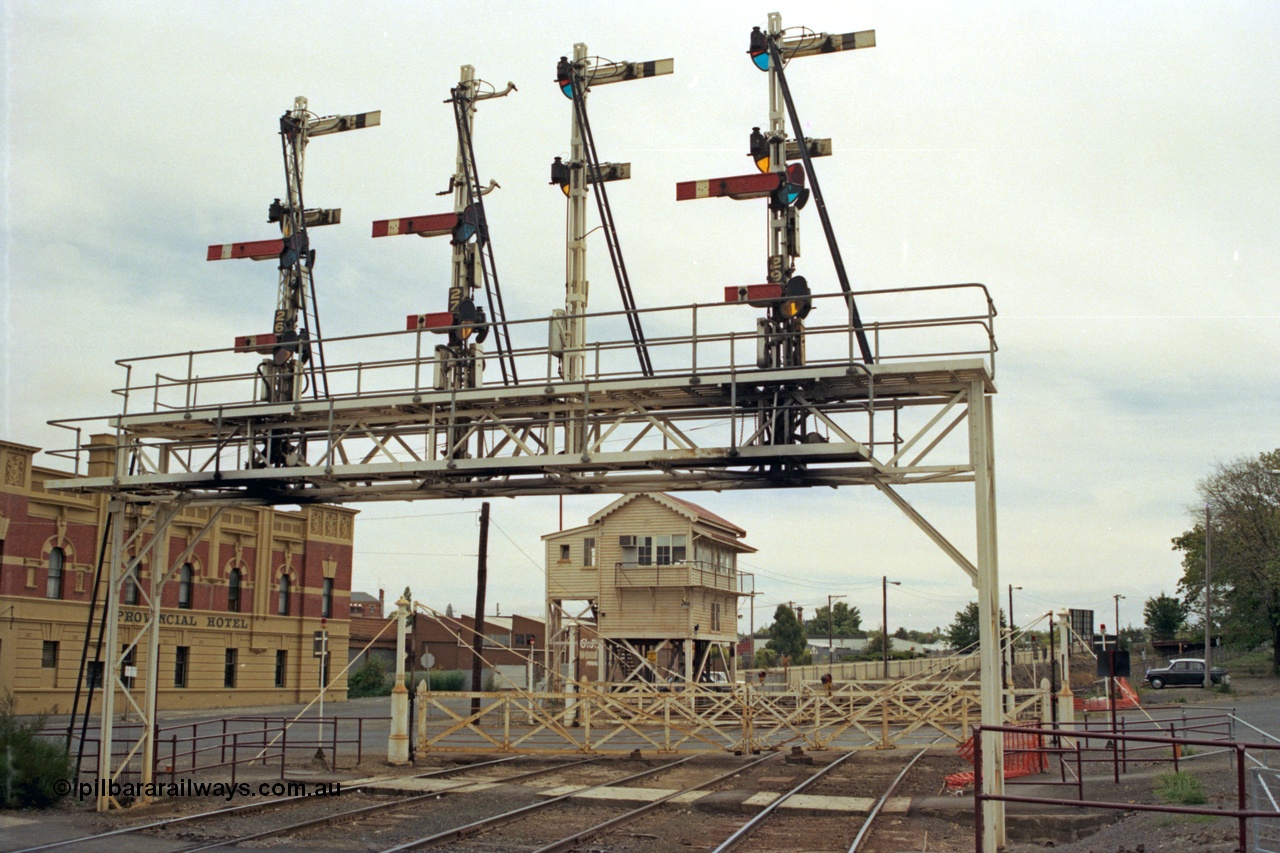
(364, 520)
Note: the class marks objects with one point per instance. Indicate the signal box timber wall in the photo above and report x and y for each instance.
(222, 644)
(661, 576)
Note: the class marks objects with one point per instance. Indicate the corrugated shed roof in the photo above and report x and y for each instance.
(706, 515)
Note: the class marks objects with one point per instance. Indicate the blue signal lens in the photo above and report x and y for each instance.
(761, 60)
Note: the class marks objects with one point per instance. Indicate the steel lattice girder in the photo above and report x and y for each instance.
(675, 434)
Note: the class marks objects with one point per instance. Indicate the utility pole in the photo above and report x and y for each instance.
(482, 578)
(830, 620)
(1008, 654)
(1117, 597)
(884, 615)
(1208, 624)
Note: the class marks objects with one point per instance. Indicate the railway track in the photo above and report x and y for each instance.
(616, 826)
(182, 827)
(592, 805)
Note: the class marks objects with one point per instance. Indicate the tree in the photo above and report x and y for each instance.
(845, 621)
(1244, 501)
(963, 632)
(875, 644)
(786, 634)
(1164, 615)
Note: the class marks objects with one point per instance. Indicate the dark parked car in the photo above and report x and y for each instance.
(1184, 673)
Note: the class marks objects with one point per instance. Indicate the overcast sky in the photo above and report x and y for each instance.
(1109, 171)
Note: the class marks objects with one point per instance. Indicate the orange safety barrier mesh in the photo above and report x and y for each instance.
(1023, 756)
(1126, 698)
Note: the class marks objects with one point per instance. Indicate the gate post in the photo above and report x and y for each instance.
(398, 740)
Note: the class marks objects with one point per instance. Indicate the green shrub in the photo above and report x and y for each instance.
(446, 679)
(29, 766)
(766, 659)
(369, 680)
(1181, 788)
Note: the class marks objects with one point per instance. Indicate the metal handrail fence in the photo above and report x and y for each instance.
(213, 744)
(1239, 749)
(701, 339)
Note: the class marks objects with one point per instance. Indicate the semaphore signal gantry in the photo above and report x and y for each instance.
(795, 402)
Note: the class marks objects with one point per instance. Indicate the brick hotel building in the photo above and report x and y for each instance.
(237, 618)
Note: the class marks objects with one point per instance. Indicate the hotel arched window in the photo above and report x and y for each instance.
(131, 588)
(326, 598)
(233, 591)
(283, 606)
(57, 559)
(184, 587)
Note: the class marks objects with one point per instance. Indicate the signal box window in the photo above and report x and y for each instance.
(564, 553)
(589, 551)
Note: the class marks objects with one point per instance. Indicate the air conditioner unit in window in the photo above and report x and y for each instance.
(626, 542)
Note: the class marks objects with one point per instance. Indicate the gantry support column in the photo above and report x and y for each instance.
(149, 538)
(982, 457)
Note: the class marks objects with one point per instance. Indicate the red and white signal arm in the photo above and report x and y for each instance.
(256, 250)
(263, 344)
(756, 295)
(436, 322)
